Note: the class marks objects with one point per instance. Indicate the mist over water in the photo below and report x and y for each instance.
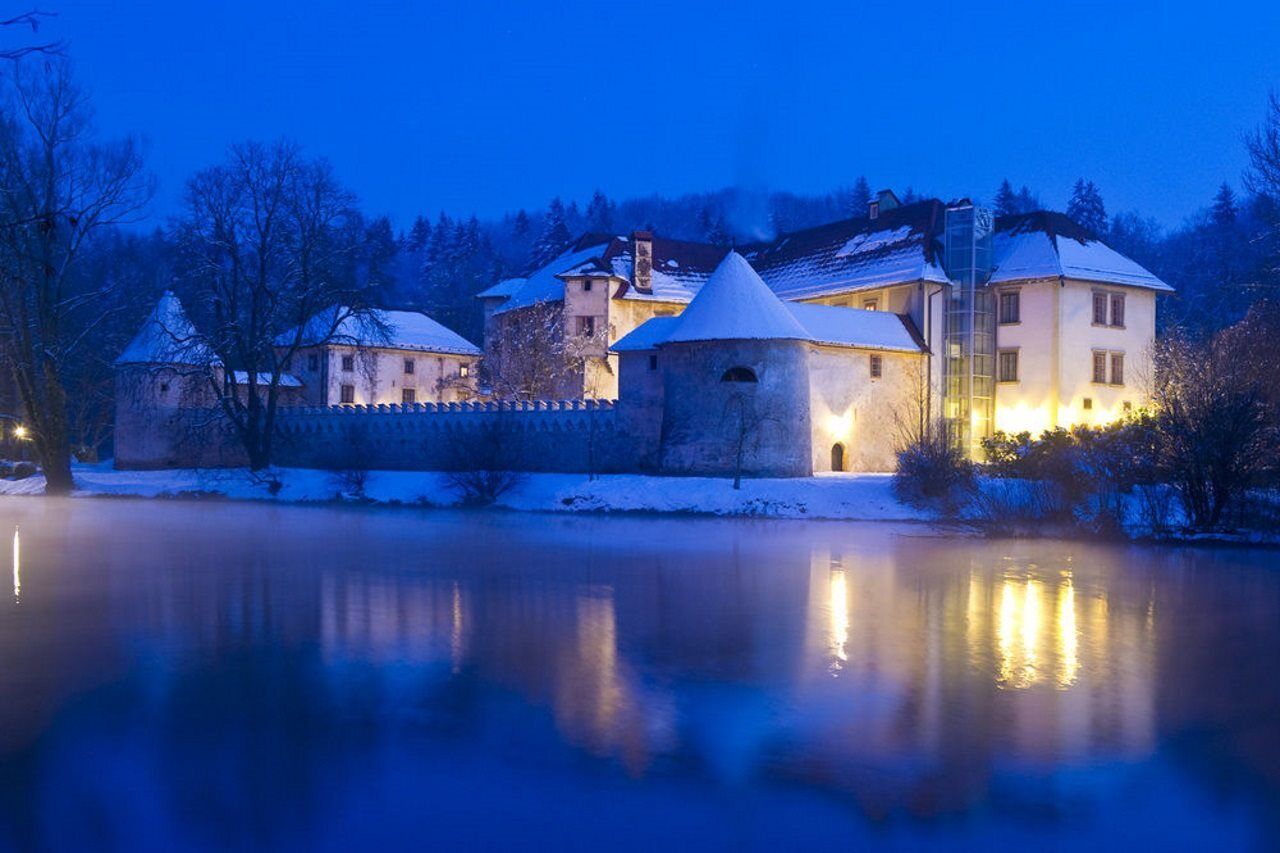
(203, 675)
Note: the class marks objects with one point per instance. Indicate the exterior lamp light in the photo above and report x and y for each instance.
(19, 431)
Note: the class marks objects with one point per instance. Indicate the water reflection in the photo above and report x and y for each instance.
(892, 675)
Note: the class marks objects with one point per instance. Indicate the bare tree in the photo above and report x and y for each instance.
(58, 187)
(31, 19)
(269, 241)
(536, 359)
(746, 423)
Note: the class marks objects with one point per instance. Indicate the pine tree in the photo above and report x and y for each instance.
(379, 252)
(1086, 208)
(600, 214)
(521, 224)
(859, 197)
(554, 238)
(1006, 200)
(419, 234)
(1224, 208)
(1027, 202)
(713, 227)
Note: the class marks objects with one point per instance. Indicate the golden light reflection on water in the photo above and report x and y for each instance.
(17, 566)
(1027, 631)
(839, 618)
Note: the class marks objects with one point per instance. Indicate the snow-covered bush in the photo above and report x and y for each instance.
(932, 472)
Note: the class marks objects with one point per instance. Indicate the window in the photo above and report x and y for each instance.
(653, 362)
(1088, 404)
(1117, 368)
(586, 286)
(347, 394)
(1010, 307)
(1127, 406)
(313, 362)
(409, 365)
(587, 326)
(408, 396)
(1100, 368)
(870, 304)
(1099, 309)
(348, 363)
(1008, 365)
(1117, 310)
(464, 370)
(877, 366)
(739, 374)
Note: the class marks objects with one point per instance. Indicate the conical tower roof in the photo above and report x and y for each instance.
(736, 304)
(167, 336)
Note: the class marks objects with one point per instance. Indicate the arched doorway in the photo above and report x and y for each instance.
(837, 457)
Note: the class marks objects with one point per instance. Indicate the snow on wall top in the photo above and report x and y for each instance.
(167, 336)
(1049, 245)
(409, 330)
(736, 304)
(854, 327)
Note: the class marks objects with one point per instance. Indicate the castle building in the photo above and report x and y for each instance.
(1029, 322)
(383, 358)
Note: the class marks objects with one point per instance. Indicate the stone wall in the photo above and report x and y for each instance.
(570, 436)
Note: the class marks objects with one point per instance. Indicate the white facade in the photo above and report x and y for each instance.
(348, 375)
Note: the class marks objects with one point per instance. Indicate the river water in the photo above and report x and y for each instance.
(182, 675)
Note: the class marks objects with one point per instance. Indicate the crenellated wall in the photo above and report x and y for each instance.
(567, 436)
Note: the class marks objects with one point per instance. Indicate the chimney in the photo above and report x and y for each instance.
(642, 261)
(884, 200)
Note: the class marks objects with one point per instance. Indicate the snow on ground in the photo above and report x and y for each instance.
(840, 496)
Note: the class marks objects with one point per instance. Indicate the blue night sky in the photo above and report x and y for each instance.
(485, 107)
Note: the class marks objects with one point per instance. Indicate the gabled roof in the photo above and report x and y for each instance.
(407, 330)
(544, 284)
(502, 289)
(1044, 245)
(899, 246)
(736, 304)
(167, 336)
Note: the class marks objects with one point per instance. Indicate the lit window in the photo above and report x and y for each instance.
(877, 366)
(1088, 404)
(1117, 310)
(1008, 365)
(870, 304)
(1100, 368)
(348, 363)
(739, 374)
(408, 365)
(1099, 309)
(347, 394)
(464, 370)
(1117, 368)
(1010, 307)
(408, 396)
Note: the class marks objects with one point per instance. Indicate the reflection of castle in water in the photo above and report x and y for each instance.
(863, 659)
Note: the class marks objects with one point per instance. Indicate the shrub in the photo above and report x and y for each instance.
(932, 471)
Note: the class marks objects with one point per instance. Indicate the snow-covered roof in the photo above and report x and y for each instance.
(502, 289)
(736, 304)
(647, 335)
(823, 324)
(167, 336)
(287, 380)
(1044, 245)
(854, 327)
(900, 246)
(408, 330)
(544, 284)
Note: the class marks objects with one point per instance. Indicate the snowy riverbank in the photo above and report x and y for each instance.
(863, 497)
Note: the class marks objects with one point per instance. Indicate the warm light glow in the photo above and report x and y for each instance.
(1022, 417)
(19, 431)
(839, 426)
(839, 618)
(17, 566)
